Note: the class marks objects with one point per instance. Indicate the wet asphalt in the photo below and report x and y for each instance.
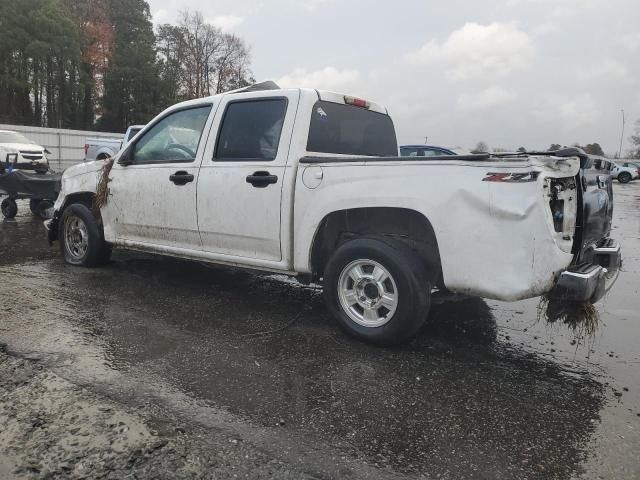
(488, 390)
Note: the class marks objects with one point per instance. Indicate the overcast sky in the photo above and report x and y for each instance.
(509, 72)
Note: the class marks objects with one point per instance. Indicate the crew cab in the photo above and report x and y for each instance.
(22, 153)
(103, 148)
(309, 183)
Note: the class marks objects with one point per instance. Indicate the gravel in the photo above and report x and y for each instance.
(55, 429)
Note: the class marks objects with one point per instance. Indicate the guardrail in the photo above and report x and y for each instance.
(66, 146)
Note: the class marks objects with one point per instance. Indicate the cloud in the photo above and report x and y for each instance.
(545, 29)
(608, 69)
(494, 50)
(488, 98)
(311, 5)
(630, 41)
(328, 78)
(226, 23)
(558, 8)
(575, 112)
(162, 16)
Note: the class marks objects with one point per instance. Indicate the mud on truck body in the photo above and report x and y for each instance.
(309, 183)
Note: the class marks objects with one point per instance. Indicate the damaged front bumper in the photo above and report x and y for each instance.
(589, 282)
(51, 226)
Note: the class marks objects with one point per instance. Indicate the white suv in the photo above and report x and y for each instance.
(22, 153)
(625, 172)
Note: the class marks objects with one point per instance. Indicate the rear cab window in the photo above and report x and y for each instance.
(351, 130)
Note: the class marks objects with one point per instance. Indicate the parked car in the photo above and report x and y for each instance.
(308, 183)
(424, 151)
(103, 148)
(624, 172)
(22, 153)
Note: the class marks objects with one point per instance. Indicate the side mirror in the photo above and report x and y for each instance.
(46, 150)
(126, 158)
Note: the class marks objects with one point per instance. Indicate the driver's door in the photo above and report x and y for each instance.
(152, 201)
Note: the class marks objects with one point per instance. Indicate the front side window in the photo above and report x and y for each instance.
(351, 130)
(251, 130)
(175, 138)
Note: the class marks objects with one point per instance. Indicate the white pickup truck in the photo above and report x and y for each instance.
(309, 183)
(103, 148)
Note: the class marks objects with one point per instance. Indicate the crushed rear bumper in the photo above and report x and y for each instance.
(590, 282)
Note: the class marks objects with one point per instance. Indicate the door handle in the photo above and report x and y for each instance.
(181, 177)
(261, 179)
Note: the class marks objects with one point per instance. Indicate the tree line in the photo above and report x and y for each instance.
(99, 64)
(590, 148)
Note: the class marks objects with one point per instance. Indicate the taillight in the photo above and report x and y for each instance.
(86, 148)
(356, 102)
(639, 172)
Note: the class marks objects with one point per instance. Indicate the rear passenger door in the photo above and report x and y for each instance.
(242, 175)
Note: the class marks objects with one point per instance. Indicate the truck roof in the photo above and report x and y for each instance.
(325, 95)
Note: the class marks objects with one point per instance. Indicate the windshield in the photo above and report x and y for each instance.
(13, 137)
(350, 130)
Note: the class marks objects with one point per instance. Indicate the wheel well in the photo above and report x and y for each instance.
(405, 225)
(85, 198)
(103, 156)
(79, 197)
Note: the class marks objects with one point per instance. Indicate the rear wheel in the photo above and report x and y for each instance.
(81, 237)
(9, 208)
(377, 289)
(624, 177)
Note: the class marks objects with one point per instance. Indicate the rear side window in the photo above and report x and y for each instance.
(251, 130)
(351, 130)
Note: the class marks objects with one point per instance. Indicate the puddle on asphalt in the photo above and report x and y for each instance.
(457, 395)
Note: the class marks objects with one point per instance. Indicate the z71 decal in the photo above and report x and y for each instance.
(511, 177)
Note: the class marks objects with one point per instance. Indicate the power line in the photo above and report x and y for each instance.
(621, 136)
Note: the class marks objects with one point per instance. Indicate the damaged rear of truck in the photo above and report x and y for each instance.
(505, 227)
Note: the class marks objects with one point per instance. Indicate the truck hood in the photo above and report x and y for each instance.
(83, 168)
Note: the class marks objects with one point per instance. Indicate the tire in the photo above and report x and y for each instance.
(624, 177)
(42, 209)
(9, 208)
(33, 205)
(81, 237)
(383, 322)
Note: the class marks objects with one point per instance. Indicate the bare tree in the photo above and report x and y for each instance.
(199, 59)
(481, 147)
(635, 141)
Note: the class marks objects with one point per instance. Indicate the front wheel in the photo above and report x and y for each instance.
(377, 289)
(624, 177)
(81, 237)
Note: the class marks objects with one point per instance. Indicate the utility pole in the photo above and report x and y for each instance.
(621, 136)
